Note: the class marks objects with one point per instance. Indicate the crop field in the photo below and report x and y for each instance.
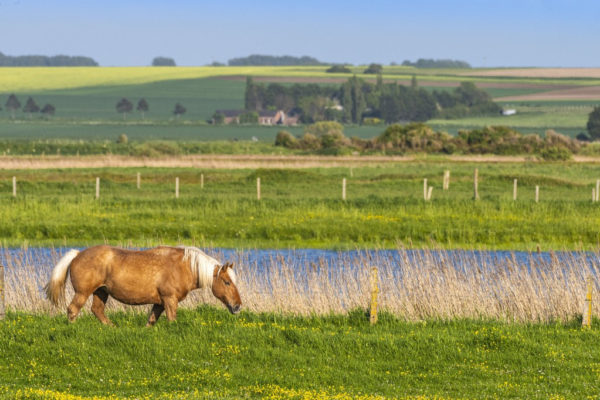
(303, 208)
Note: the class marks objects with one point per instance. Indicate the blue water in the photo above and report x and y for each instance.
(303, 258)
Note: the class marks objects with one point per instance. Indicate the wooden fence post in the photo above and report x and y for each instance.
(593, 195)
(476, 184)
(374, 293)
(537, 193)
(425, 189)
(139, 180)
(258, 188)
(14, 186)
(2, 305)
(344, 189)
(446, 184)
(429, 190)
(97, 188)
(586, 321)
(201, 181)
(515, 190)
(177, 187)
(597, 189)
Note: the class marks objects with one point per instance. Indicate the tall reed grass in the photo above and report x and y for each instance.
(414, 285)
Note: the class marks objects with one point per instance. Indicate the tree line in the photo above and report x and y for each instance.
(265, 60)
(357, 101)
(125, 106)
(46, 61)
(13, 104)
(431, 63)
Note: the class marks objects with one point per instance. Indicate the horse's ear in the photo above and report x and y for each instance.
(231, 265)
(225, 266)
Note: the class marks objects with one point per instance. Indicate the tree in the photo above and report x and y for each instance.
(218, 118)
(250, 117)
(338, 69)
(124, 106)
(31, 107)
(48, 109)
(179, 110)
(251, 97)
(13, 104)
(593, 124)
(142, 106)
(374, 69)
(163, 62)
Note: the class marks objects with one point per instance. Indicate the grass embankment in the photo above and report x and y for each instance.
(303, 208)
(208, 353)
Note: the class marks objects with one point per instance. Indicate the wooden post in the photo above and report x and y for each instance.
(429, 190)
(139, 180)
(14, 186)
(425, 189)
(593, 195)
(446, 184)
(597, 189)
(537, 193)
(177, 187)
(344, 189)
(258, 188)
(2, 305)
(201, 181)
(97, 188)
(374, 293)
(586, 321)
(515, 190)
(476, 184)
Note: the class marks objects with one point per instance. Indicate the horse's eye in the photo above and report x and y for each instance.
(227, 283)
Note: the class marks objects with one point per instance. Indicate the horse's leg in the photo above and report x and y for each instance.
(75, 306)
(98, 303)
(170, 304)
(157, 309)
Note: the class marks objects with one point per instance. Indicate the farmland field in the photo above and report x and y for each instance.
(303, 208)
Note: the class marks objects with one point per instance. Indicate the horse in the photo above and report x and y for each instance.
(162, 276)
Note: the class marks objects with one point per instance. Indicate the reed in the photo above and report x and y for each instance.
(415, 285)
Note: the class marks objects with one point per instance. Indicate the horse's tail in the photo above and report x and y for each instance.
(55, 289)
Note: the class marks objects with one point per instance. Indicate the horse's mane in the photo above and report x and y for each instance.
(203, 265)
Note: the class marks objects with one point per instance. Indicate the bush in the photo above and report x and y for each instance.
(322, 127)
(555, 153)
(372, 121)
(122, 139)
(309, 142)
(339, 69)
(374, 69)
(286, 139)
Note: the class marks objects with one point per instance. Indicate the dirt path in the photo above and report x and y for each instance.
(246, 161)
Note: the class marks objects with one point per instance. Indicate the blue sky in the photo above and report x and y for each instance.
(484, 33)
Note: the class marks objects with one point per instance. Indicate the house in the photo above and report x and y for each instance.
(267, 117)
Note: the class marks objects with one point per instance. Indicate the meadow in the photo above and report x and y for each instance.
(210, 354)
(303, 207)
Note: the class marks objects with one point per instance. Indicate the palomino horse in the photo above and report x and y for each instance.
(162, 276)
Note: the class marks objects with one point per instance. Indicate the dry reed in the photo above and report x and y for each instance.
(414, 285)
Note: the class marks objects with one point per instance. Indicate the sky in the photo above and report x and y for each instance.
(541, 33)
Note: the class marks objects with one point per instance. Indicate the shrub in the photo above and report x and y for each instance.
(372, 121)
(309, 142)
(122, 139)
(555, 153)
(286, 139)
(339, 69)
(322, 127)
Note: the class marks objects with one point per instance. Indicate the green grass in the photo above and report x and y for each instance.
(303, 208)
(208, 353)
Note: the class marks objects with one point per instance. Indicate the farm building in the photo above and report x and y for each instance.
(269, 117)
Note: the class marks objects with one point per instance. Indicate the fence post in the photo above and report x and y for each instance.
(177, 187)
(2, 305)
(374, 293)
(344, 189)
(593, 195)
(139, 180)
(97, 188)
(201, 181)
(446, 184)
(537, 193)
(597, 189)
(257, 188)
(476, 184)
(515, 190)
(14, 186)
(586, 321)
(425, 189)
(429, 190)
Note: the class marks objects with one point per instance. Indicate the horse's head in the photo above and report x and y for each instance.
(224, 288)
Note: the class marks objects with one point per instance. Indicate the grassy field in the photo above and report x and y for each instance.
(303, 208)
(210, 354)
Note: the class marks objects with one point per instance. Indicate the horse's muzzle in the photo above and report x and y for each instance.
(235, 308)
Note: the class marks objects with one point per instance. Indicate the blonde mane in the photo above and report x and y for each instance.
(203, 266)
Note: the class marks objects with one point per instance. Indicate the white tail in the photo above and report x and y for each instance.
(55, 289)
